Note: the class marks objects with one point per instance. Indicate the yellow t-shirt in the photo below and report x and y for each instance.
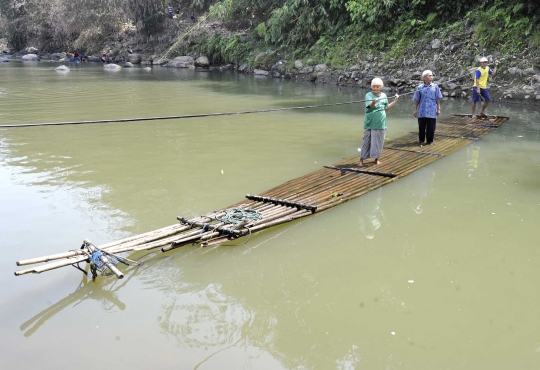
(484, 74)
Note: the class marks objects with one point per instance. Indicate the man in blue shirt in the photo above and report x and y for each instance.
(427, 98)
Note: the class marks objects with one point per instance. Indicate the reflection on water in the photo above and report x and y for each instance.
(104, 291)
(421, 185)
(446, 263)
(371, 216)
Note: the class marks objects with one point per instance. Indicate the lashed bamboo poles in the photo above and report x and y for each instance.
(317, 191)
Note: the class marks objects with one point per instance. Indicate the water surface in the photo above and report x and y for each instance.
(438, 270)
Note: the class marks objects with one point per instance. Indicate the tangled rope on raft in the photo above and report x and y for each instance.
(238, 215)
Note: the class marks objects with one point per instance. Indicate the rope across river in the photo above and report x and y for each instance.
(200, 115)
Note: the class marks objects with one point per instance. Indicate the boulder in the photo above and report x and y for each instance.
(298, 64)
(276, 74)
(455, 47)
(260, 72)
(202, 61)
(134, 58)
(243, 68)
(30, 58)
(514, 71)
(31, 50)
(128, 65)
(436, 44)
(321, 68)
(226, 67)
(160, 62)
(62, 68)
(93, 58)
(305, 70)
(530, 71)
(111, 67)
(4, 59)
(279, 66)
(56, 56)
(181, 62)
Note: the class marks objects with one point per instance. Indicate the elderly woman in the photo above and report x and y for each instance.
(375, 121)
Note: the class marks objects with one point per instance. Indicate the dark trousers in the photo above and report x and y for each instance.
(426, 129)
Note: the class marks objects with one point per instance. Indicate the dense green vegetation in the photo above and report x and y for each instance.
(330, 31)
(335, 31)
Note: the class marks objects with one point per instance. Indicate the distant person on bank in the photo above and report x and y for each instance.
(375, 122)
(480, 90)
(427, 98)
(170, 11)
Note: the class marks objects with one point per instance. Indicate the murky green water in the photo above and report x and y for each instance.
(438, 270)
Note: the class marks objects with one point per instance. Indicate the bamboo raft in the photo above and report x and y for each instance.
(294, 199)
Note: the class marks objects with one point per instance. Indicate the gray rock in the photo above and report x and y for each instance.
(298, 64)
(514, 71)
(260, 72)
(417, 74)
(305, 70)
(436, 44)
(62, 68)
(202, 61)
(530, 71)
(181, 62)
(128, 65)
(111, 67)
(30, 58)
(226, 67)
(276, 74)
(147, 69)
(31, 50)
(455, 47)
(451, 85)
(321, 68)
(243, 68)
(279, 66)
(94, 59)
(160, 62)
(56, 56)
(355, 67)
(134, 58)
(370, 58)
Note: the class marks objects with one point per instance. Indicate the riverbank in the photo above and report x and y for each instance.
(452, 53)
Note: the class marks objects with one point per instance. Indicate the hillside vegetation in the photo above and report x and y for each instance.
(333, 31)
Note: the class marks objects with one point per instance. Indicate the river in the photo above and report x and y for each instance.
(438, 270)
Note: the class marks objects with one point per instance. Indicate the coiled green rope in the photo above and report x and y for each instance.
(238, 215)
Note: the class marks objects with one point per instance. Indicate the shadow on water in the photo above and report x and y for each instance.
(104, 291)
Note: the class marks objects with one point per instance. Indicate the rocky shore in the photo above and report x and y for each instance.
(452, 59)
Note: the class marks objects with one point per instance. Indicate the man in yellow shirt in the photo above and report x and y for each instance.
(480, 91)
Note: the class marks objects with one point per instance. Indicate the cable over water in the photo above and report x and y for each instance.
(201, 115)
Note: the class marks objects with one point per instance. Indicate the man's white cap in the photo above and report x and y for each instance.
(483, 59)
(426, 72)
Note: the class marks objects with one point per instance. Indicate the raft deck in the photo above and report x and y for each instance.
(301, 197)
